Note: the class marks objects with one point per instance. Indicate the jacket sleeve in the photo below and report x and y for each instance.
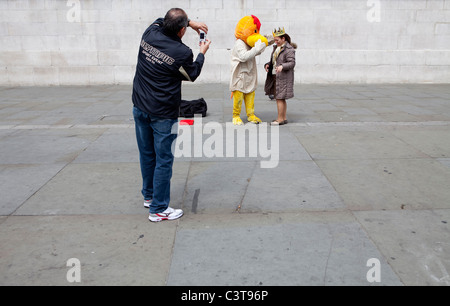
(189, 69)
(290, 60)
(158, 22)
(270, 60)
(244, 55)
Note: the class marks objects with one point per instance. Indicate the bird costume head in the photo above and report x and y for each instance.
(247, 30)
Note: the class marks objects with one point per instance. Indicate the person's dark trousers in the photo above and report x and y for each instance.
(155, 139)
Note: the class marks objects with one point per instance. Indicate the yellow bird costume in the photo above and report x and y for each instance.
(244, 76)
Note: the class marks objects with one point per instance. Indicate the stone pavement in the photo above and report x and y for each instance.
(363, 173)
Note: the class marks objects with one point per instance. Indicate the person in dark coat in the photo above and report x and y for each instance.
(164, 61)
(280, 73)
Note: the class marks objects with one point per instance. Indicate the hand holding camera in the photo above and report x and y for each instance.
(202, 30)
(204, 43)
(202, 36)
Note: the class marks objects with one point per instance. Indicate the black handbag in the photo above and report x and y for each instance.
(190, 108)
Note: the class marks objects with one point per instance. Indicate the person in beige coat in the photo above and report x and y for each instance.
(280, 73)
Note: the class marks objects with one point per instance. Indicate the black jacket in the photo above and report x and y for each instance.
(163, 63)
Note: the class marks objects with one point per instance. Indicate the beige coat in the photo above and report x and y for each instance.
(244, 74)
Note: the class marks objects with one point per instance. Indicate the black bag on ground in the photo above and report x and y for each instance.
(190, 108)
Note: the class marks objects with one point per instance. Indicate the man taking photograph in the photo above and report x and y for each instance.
(163, 63)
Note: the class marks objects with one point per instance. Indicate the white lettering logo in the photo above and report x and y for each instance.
(230, 143)
(74, 273)
(154, 55)
(373, 15)
(74, 14)
(374, 273)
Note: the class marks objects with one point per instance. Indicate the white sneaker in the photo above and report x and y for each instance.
(168, 214)
(147, 203)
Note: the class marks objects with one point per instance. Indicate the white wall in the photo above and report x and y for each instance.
(88, 42)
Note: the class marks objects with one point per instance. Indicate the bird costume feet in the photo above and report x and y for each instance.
(249, 100)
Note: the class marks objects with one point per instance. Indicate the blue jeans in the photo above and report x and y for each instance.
(155, 139)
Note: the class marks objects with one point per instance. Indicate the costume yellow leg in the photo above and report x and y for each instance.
(238, 97)
(250, 108)
(249, 100)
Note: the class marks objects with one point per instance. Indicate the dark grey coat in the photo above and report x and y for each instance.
(284, 81)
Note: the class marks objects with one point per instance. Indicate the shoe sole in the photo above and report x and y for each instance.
(159, 219)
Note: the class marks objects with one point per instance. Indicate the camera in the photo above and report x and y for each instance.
(202, 36)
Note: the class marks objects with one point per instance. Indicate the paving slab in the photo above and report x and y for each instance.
(45, 146)
(444, 161)
(291, 186)
(112, 250)
(83, 189)
(415, 243)
(107, 188)
(374, 184)
(274, 250)
(20, 182)
(353, 143)
(114, 145)
(428, 139)
(214, 187)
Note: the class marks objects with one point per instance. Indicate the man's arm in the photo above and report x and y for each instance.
(191, 69)
(157, 23)
(195, 25)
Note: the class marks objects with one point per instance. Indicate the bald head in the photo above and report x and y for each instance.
(175, 20)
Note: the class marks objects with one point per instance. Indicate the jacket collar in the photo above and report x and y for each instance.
(286, 46)
(171, 36)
